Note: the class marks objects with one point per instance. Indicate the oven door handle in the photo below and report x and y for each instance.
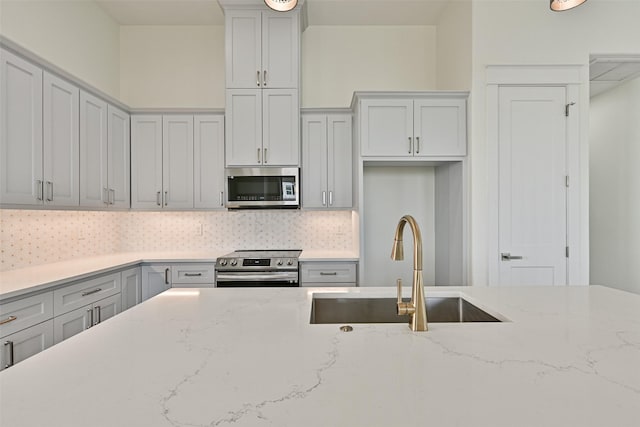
(264, 277)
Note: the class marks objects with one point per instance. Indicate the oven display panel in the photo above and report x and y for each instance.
(256, 262)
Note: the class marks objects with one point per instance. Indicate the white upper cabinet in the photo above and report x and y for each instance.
(61, 160)
(162, 162)
(177, 161)
(146, 162)
(93, 151)
(414, 127)
(118, 158)
(208, 161)
(21, 180)
(262, 127)
(262, 49)
(327, 161)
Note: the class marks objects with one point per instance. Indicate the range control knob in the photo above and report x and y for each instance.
(223, 262)
(279, 262)
(289, 262)
(234, 262)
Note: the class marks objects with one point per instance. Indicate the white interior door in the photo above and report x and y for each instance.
(532, 190)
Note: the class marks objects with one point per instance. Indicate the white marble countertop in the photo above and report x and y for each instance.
(569, 356)
(19, 282)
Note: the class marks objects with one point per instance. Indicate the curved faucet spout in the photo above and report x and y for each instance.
(416, 308)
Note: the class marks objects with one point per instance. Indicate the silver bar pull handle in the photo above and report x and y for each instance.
(105, 196)
(259, 156)
(193, 274)
(258, 78)
(222, 198)
(49, 191)
(10, 360)
(410, 145)
(324, 198)
(506, 256)
(417, 145)
(158, 202)
(264, 78)
(39, 189)
(166, 198)
(166, 276)
(264, 154)
(112, 194)
(84, 294)
(98, 315)
(90, 313)
(8, 320)
(330, 198)
(324, 273)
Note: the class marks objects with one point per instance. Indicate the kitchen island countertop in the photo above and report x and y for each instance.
(567, 356)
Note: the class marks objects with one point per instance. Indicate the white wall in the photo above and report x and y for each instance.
(338, 60)
(75, 35)
(614, 142)
(172, 66)
(527, 32)
(454, 46)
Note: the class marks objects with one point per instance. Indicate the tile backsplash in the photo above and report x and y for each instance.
(32, 237)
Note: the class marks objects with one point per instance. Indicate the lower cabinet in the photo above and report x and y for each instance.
(155, 280)
(131, 287)
(76, 321)
(324, 273)
(191, 275)
(23, 344)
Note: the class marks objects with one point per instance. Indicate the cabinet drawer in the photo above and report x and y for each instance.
(86, 292)
(21, 345)
(328, 284)
(328, 272)
(23, 313)
(192, 273)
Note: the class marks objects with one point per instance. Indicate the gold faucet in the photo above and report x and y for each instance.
(415, 308)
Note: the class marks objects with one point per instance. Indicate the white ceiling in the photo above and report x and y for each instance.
(320, 12)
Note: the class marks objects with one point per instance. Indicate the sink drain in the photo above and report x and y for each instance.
(346, 328)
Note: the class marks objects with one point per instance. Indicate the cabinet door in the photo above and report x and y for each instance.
(131, 287)
(280, 50)
(106, 308)
(339, 166)
(155, 279)
(314, 161)
(387, 127)
(208, 162)
(440, 127)
(61, 160)
(93, 151)
(146, 162)
(119, 175)
(177, 161)
(243, 127)
(21, 345)
(20, 131)
(72, 323)
(243, 49)
(281, 127)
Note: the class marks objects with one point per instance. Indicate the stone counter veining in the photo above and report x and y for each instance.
(568, 356)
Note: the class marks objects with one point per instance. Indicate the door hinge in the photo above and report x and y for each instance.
(566, 108)
(566, 251)
(566, 181)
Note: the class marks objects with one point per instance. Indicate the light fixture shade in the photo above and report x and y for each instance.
(560, 5)
(282, 5)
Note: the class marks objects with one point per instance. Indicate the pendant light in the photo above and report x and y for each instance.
(560, 5)
(282, 5)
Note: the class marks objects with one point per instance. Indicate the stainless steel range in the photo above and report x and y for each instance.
(258, 268)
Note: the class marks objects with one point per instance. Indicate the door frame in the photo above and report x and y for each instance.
(575, 79)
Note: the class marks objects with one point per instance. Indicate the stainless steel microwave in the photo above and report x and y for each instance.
(259, 188)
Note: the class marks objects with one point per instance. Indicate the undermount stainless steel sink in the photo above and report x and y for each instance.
(383, 310)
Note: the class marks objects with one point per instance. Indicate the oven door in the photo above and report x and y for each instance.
(257, 279)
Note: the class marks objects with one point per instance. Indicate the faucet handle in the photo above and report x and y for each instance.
(403, 307)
